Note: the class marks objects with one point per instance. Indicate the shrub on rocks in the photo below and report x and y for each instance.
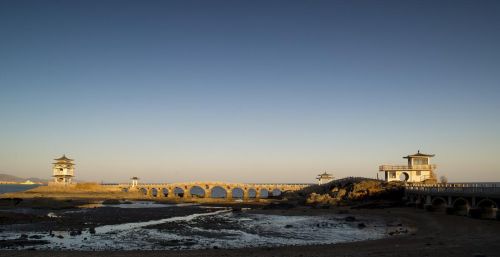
(347, 191)
(315, 198)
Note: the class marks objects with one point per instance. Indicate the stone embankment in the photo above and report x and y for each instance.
(76, 191)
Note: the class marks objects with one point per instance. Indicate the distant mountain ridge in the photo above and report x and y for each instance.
(12, 178)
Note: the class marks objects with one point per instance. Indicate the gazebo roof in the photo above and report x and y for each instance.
(324, 175)
(418, 154)
(63, 158)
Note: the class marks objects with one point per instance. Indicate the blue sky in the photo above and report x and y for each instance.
(252, 91)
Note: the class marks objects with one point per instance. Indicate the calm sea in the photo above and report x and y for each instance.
(15, 188)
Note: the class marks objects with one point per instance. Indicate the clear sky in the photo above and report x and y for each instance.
(250, 91)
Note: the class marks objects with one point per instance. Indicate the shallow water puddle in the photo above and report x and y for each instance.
(134, 225)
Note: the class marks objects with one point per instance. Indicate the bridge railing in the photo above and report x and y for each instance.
(447, 185)
(456, 188)
(116, 184)
(211, 183)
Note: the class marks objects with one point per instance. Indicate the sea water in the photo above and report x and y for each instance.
(11, 188)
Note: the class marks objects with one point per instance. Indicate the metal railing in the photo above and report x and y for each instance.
(406, 167)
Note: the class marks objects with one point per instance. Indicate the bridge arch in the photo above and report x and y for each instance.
(252, 193)
(276, 192)
(237, 192)
(197, 191)
(218, 192)
(179, 192)
(438, 204)
(461, 206)
(164, 192)
(143, 191)
(488, 208)
(263, 193)
(154, 192)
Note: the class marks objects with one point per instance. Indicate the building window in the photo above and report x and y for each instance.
(392, 174)
(420, 161)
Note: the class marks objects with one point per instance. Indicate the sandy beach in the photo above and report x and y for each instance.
(431, 234)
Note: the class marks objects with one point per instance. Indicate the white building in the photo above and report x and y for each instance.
(419, 169)
(63, 171)
(324, 178)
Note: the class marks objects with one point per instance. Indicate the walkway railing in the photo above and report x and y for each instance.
(406, 167)
(472, 189)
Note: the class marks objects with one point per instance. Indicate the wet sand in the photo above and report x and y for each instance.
(436, 234)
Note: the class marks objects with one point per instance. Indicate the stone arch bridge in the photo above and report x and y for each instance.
(201, 189)
(478, 200)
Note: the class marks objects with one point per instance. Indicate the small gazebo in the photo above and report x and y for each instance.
(135, 181)
(324, 178)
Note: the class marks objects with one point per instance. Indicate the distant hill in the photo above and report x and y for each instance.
(11, 178)
(6, 177)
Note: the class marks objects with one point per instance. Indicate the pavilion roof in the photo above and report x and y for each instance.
(63, 158)
(325, 175)
(419, 154)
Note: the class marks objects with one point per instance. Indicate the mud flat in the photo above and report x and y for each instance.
(434, 235)
(149, 226)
